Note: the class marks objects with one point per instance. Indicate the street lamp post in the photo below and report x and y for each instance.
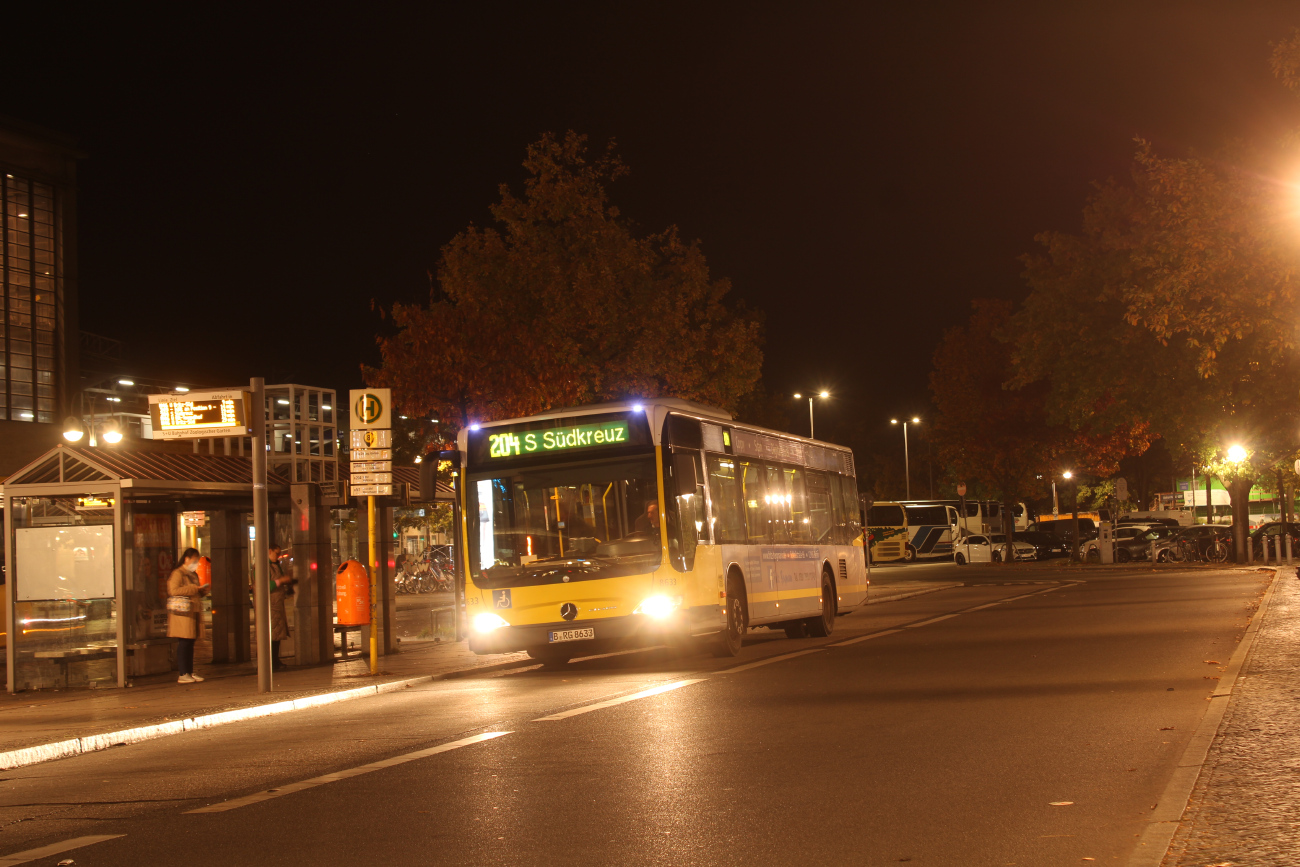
(1074, 517)
(811, 428)
(907, 468)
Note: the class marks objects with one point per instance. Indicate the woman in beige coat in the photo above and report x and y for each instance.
(184, 627)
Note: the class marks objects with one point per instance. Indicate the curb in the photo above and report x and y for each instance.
(93, 743)
(1159, 833)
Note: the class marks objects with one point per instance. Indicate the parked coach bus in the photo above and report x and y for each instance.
(887, 530)
(638, 523)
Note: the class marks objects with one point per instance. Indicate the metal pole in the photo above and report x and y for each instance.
(1207, 514)
(374, 593)
(1074, 545)
(907, 465)
(261, 556)
(812, 434)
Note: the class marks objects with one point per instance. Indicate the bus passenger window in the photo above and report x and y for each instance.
(852, 508)
(842, 535)
(800, 532)
(821, 516)
(778, 506)
(728, 523)
(751, 493)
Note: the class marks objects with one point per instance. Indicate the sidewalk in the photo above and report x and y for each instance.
(1245, 807)
(71, 721)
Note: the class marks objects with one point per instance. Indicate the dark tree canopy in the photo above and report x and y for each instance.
(562, 303)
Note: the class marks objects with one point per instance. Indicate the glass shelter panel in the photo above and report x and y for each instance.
(63, 569)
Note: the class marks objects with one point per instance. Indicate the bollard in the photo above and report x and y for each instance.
(1265, 548)
(1288, 548)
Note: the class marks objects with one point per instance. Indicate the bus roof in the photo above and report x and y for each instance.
(657, 409)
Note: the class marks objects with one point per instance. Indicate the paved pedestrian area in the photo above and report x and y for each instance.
(1245, 808)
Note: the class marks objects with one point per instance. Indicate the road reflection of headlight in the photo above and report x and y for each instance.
(486, 622)
(659, 607)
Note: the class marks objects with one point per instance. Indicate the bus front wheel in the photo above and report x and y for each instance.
(823, 626)
(909, 554)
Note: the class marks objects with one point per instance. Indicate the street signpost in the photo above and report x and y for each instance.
(371, 431)
(961, 520)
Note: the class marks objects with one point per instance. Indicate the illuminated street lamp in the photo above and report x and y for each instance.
(112, 433)
(1236, 454)
(822, 394)
(907, 468)
(73, 429)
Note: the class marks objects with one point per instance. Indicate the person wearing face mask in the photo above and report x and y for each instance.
(183, 595)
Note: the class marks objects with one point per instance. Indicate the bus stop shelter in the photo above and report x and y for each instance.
(91, 535)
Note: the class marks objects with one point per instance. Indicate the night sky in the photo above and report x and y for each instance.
(254, 179)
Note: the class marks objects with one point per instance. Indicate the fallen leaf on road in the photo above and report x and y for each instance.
(1061, 803)
(1212, 662)
(1166, 728)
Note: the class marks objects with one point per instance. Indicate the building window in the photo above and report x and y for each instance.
(30, 269)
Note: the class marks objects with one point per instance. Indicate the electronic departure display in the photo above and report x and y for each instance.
(206, 414)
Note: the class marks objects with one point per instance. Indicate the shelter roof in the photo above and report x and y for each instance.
(157, 469)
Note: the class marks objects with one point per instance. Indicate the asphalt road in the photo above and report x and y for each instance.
(942, 736)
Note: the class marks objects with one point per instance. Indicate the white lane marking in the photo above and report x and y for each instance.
(982, 607)
(934, 620)
(54, 849)
(645, 693)
(343, 775)
(769, 660)
(865, 637)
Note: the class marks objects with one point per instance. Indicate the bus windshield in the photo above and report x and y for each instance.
(567, 522)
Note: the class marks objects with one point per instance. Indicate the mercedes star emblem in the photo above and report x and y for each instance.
(568, 611)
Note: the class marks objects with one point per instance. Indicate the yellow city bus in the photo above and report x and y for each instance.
(640, 523)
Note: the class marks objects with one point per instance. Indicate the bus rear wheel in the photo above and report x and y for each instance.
(732, 638)
(823, 626)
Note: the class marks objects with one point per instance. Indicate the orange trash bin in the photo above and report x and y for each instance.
(205, 571)
(352, 593)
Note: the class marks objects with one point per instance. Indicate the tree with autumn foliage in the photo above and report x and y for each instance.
(1000, 438)
(561, 303)
(1178, 305)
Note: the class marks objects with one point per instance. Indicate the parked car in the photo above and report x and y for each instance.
(989, 549)
(1210, 542)
(1046, 545)
(1272, 531)
(1124, 535)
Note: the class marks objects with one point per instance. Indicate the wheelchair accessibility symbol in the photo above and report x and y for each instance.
(501, 598)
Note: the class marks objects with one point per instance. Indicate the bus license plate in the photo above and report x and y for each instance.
(572, 635)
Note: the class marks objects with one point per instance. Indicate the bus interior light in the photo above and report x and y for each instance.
(488, 622)
(659, 606)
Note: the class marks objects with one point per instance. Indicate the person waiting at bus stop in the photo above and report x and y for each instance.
(280, 586)
(183, 595)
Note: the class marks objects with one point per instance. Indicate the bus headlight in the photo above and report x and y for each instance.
(487, 621)
(659, 607)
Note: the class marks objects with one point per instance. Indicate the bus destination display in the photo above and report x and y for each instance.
(508, 444)
(211, 414)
